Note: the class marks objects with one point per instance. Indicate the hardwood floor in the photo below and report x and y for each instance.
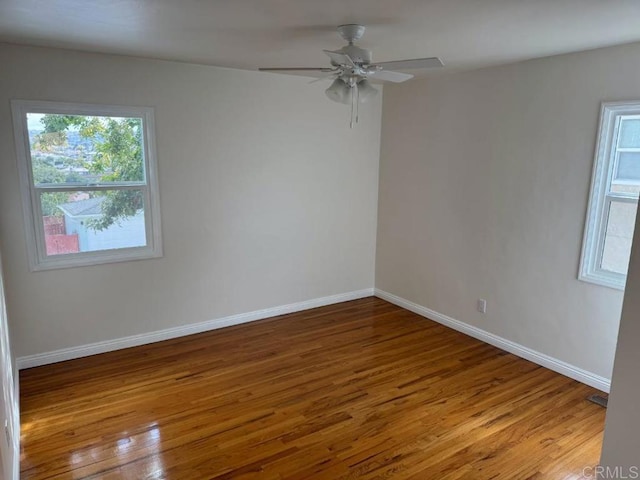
(362, 389)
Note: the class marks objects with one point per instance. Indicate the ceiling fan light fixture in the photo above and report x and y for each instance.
(351, 66)
(339, 91)
(366, 91)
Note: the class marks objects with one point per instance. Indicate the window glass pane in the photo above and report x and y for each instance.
(628, 167)
(618, 237)
(629, 133)
(83, 149)
(91, 221)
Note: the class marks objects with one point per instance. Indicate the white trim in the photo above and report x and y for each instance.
(542, 359)
(600, 197)
(175, 332)
(38, 259)
(546, 361)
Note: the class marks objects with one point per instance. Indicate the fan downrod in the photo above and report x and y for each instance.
(351, 32)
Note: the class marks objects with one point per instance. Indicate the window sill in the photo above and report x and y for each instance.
(53, 263)
(605, 279)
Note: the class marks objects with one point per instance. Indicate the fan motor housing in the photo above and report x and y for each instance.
(357, 54)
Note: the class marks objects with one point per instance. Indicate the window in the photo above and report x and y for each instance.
(614, 196)
(89, 183)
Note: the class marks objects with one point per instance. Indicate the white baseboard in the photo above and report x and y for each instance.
(542, 359)
(571, 371)
(159, 335)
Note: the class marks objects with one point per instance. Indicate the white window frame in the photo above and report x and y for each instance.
(32, 212)
(601, 197)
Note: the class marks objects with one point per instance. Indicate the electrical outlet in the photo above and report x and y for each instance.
(482, 305)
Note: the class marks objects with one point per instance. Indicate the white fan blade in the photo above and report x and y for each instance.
(296, 69)
(340, 58)
(326, 76)
(387, 76)
(433, 62)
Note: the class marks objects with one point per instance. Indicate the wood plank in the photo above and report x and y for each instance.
(362, 389)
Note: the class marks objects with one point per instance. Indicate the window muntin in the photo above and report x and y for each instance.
(614, 197)
(88, 175)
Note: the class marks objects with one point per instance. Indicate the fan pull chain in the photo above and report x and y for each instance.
(352, 107)
(355, 101)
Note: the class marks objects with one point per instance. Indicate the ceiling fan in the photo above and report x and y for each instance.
(352, 67)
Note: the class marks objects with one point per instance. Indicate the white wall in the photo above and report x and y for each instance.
(484, 182)
(267, 198)
(621, 447)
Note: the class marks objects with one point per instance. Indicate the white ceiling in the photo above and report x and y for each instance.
(278, 33)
